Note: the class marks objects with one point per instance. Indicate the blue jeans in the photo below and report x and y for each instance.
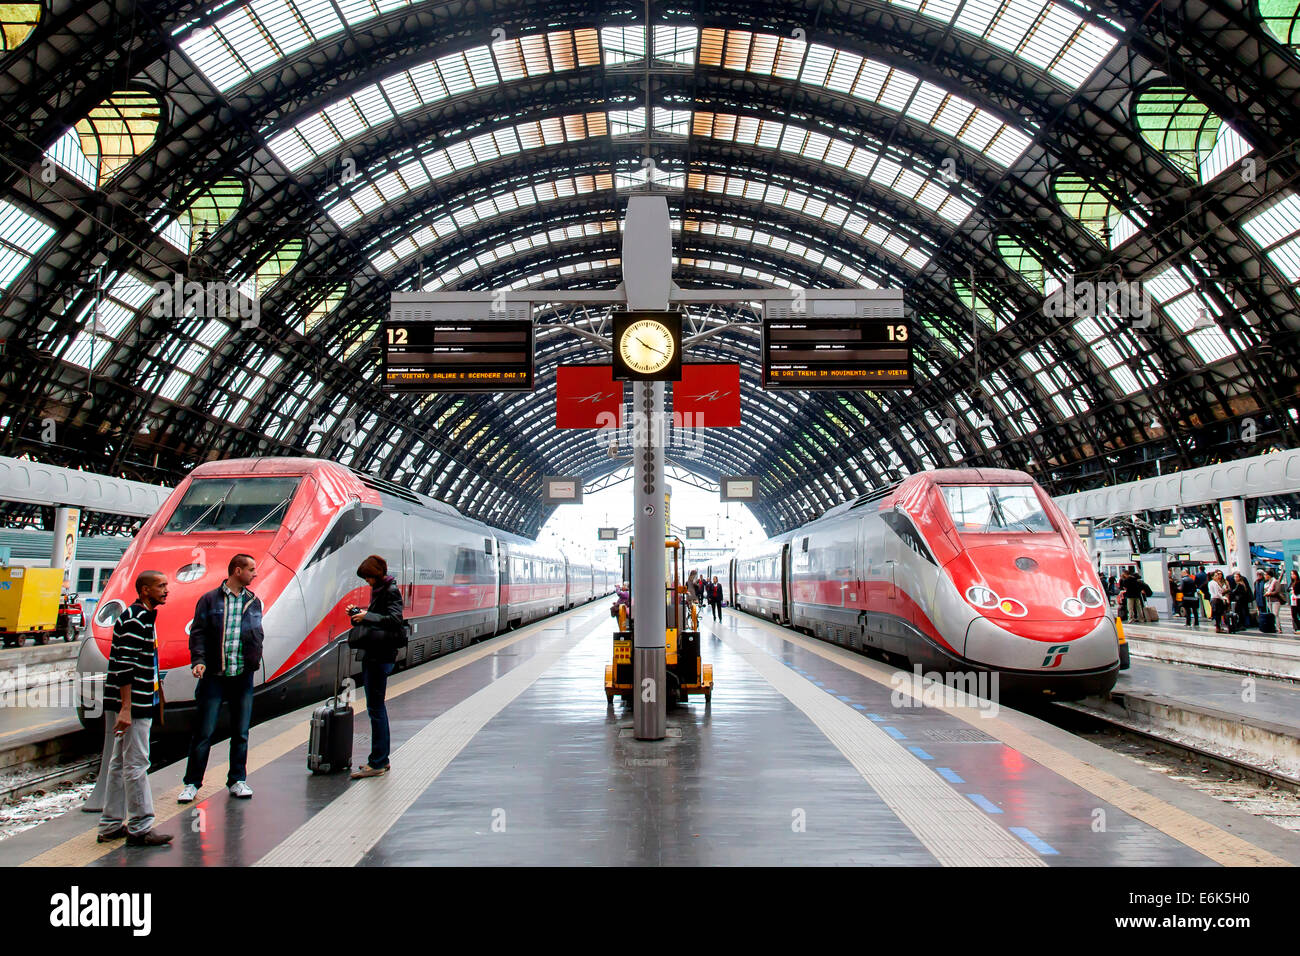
(238, 691)
(375, 678)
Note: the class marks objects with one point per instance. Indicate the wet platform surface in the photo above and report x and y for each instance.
(507, 753)
(1252, 698)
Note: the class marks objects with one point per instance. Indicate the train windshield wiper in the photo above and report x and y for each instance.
(216, 504)
(267, 517)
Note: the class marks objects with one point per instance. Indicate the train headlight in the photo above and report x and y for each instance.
(1090, 596)
(1013, 607)
(1073, 607)
(981, 597)
(107, 613)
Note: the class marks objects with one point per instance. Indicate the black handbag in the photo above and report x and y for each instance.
(362, 636)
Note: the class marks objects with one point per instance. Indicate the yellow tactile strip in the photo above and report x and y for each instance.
(82, 849)
(1217, 844)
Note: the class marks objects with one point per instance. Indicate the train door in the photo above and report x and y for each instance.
(731, 580)
(503, 585)
(785, 583)
(408, 568)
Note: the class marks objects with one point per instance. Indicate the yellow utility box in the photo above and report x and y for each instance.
(29, 599)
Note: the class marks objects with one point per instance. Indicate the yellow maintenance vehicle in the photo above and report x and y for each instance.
(687, 673)
(29, 604)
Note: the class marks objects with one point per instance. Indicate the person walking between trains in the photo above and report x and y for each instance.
(1218, 599)
(225, 652)
(133, 697)
(381, 625)
(713, 590)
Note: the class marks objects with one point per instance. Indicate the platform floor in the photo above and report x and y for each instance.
(1274, 701)
(507, 753)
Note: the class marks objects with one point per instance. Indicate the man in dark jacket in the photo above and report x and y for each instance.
(381, 628)
(1133, 586)
(133, 697)
(1191, 599)
(225, 652)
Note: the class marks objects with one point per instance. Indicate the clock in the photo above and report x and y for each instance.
(647, 346)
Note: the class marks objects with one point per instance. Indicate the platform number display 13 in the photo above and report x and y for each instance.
(896, 333)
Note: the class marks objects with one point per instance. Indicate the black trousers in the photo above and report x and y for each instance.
(716, 608)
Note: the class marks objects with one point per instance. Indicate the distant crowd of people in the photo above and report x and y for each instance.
(1232, 603)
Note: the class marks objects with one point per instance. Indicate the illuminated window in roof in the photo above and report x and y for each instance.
(1276, 230)
(206, 214)
(1087, 204)
(17, 21)
(1194, 139)
(1193, 313)
(278, 264)
(1104, 339)
(117, 131)
(21, 237)
(323, 308)
(1023, 261)
(328, 129)
(1282, 18)
(978, 300)
(852, 75)
(926, 190)
(1057, 379)
(432, 165)
(124, 295)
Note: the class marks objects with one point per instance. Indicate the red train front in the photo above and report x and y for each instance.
(956, 570)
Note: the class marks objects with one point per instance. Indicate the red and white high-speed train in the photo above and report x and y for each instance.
(958, 570)
(309, 523)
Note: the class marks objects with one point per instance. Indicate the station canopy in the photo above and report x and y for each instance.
(982, 155)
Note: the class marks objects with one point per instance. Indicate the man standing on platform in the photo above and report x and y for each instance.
(133, 695)
(225, 652)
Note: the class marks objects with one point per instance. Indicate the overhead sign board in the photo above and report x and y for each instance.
(561, 490)
(458, 355)
(842, 352)
(607, 534)
(1104, 534)
(694, 532)
(1083, 529)
(1171, 530)
(739, 488)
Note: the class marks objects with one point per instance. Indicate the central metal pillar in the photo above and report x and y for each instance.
(649, 578)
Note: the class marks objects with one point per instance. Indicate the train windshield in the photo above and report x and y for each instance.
(233, 504)
(982, 509)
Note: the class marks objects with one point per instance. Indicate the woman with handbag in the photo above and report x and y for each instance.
(376, 632)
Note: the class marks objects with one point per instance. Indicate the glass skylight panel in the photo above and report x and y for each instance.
(1229, 148)
(675, 44)
(67, 155)
(1192, 314)
(400, 93)
(623, 44)
(1276, 230)
(21, 237)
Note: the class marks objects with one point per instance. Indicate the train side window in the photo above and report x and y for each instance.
(85, 580)
(903, 527)
(487, 545)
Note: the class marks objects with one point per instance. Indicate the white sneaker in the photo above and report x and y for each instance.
(241, 789)
(188, 793)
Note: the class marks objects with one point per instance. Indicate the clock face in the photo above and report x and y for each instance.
(647, 346)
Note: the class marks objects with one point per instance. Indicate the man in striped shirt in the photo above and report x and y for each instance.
(133, 689)
(225, 651)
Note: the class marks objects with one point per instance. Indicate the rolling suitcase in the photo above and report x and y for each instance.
(1151, 614)
(330, 747)
(1268, 623)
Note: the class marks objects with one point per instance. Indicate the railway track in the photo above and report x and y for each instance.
(1076, 718)
(64, 773)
